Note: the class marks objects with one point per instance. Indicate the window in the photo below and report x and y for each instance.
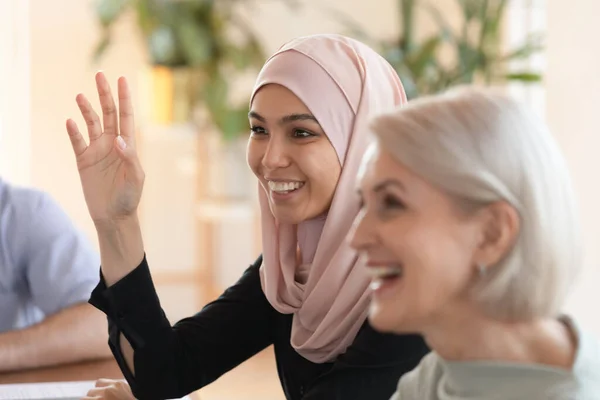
(526, 17)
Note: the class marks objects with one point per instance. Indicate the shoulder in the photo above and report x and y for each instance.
(420, 382)
(20, 199)
(28, 204)
(21, 207)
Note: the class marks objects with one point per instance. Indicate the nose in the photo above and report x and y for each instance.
(361, 236)
(276, 154)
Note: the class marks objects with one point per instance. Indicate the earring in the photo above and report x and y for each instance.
(482, 269)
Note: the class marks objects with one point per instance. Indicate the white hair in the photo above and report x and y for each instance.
(483, 147)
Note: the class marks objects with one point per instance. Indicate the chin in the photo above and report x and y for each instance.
(381, 319)
(387, 320)
(286, 217)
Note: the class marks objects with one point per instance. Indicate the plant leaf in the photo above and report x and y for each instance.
(470, 9)
(420, 58)
(215, 89)
(393, 54)
(101, 46)
(197, 42)
(108, 11)
(147, 16)
(469, 59)
(533, 44)
(235, 122)
(446, 31)
(524, 76)
(163, 48)
(407, 14)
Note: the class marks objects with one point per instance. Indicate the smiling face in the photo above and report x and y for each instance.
(418, 244)
(291, 156)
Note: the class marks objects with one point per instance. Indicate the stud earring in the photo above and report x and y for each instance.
(482, 269)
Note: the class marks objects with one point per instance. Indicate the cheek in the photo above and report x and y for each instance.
(322, 174)
(437, 271)
(438, 259)
(254, 153)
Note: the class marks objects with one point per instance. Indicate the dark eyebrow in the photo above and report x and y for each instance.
(388, 182)
(285, 120)
(298, 117)
(256, 115)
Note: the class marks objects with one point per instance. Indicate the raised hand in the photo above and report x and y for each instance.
(111, 174)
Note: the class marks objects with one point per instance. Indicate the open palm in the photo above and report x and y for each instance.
(111, 175)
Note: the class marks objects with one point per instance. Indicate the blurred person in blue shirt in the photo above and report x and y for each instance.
(47, 271)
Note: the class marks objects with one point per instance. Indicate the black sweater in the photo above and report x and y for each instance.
(171, 362)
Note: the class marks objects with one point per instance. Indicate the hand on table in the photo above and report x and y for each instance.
(108, 389)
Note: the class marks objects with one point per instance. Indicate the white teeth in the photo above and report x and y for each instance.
(385, 272)
(284, 186)
(374, 285)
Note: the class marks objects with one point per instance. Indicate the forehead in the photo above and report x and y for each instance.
(276, 100)
(377, 165)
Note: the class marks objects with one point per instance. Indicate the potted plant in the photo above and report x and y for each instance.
(475, 49)
(193, 47)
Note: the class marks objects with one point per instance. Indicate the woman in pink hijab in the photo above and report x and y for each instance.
(304, 295)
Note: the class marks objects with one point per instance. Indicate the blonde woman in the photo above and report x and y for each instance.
(469, 229)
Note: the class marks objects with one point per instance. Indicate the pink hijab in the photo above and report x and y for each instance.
(343, 83)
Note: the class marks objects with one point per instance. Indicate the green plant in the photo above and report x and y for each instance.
(205, 38)
(475, 49)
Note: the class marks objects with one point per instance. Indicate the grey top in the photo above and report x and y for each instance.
(46, 264)
(438, 379)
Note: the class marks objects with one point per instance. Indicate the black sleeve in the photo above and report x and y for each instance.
(171, 362)
(370, 368)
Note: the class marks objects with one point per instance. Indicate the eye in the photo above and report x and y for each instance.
(257, 130)
(391, 202)
(301, 133)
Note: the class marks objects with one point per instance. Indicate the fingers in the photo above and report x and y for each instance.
(104, 392)
(77, 141)
(107, 103)
(97, 392)
(109, 389)
(105, 382)
(89, 115)
(100, 391)
(126, 121)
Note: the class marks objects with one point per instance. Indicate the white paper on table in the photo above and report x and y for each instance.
(48, 391)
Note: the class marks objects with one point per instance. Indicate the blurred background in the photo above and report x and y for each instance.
(191, 65)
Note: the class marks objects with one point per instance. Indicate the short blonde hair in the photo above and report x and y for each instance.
(482, 147)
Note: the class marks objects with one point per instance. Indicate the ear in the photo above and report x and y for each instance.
(501, 225)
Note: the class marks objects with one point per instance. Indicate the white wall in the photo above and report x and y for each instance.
(573, 104)
(63, 33)
(15, 118)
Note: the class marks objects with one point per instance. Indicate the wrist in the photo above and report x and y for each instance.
(121, 247)
(117, 224)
